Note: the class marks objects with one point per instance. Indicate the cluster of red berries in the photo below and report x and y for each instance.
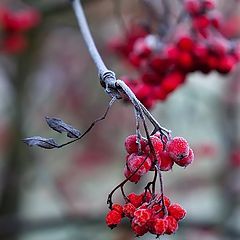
(147, 213)
(13, 28)
(150, 212)
(140, 159)
(164, 61)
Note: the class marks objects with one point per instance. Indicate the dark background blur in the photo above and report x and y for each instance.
(61, 194)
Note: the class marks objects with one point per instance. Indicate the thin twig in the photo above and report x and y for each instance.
(92, 124)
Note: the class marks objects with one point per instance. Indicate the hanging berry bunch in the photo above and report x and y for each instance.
(164, 60)
(150, 211)
(14, 24)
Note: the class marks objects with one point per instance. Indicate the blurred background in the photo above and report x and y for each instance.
(61, 194)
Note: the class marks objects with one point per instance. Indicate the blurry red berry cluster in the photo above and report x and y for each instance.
(139, 161)
(194, 44)
(150, 212)
(14, 24)
(147, 214)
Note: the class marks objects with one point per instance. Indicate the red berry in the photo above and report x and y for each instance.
(176, 211)
(135, 199)
(171, 52)
(113, 218)
(127, 173)
(160, 226)
(208, 4)
(185, 61)
(226, 64)
(186, 43)
(157, 145)
(131, 144)
(192, 6)
(138, 230)
(128, 210)
(177, 148)
(165, 162)
(118, 208)
(187, 160)
(172, 81)
(141, 216)
(142, 163)
(200, 22)
(172, 224)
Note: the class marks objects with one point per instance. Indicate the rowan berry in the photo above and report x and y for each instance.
(177, 148)
(208, 4)
(141, 216)
(172, 225)
(113, 218)
(135, 199)
(193, 7)
(138, 230)
(141, 164)
(157, 145)
(186, 160)
(131, 144)
(160, 226)
(165, 161)
(118, 208)
(176, 211)
(128, 210)
(134, 178)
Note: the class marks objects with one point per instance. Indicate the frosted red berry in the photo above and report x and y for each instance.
(141, 216)
(160, 226)
(131, 144)
(176, 211)
(165, 161)
(118, 208)
(141, 164)
(135, 199)
(177, 148)
(128, 210)
(157, 145)
(187, 160)
(138, 230)
(132, 177)
(172, 224)
(113, 218)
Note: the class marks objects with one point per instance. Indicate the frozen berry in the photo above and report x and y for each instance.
(177, 148)
(187, 160)
(135, 199)
(141, 164)
(172, 224)
(176, 211)
(113, 218)
(128, 210)
(131, 144)
(165, 162)
(133, 178)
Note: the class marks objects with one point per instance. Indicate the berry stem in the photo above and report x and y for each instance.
(92, 124)
(161, 188)
(107, 77)
(120, 185)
